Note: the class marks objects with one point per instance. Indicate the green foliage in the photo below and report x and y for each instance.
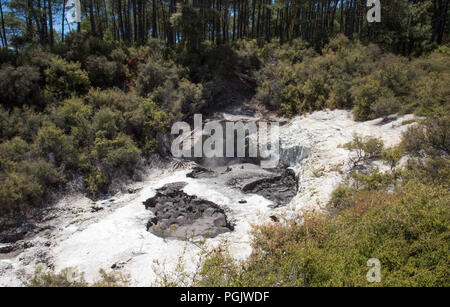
(17, 191)
(428, 144)
(342, 197)
(430, 138)
(65, 78)
(100, 137)
(392, 156)
(19, 85)
(103, 73)
(66, 278)
(78, 47)
(190, 23)
(364, 148)
(7, 56)
(69, 277)
(373, 180)
(407, 231)
(53, 144)
(351, 75)
(24, 122)
(117, 154)
(364, 97)
(45, 173)
(96, 182)
(179, 97)
(154, 74)
(13, 150)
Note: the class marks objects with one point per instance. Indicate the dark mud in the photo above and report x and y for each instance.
(280, 189)
(179, 215)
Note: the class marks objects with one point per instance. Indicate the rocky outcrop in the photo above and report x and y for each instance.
(14, 230)
(179, 215)
(201, 172)
(291, 156)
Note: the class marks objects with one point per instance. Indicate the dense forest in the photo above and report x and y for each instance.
(85, 107)
(407, 27)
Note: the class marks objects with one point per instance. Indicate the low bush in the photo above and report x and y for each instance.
(102, 73)
(392, 156)
(428, 138)
(19, 85)
(70, 277)
(342, 197)
(19, 192)
(364, 149)
(63, 79)
(154, 74)
(295, 80)
(407, 231)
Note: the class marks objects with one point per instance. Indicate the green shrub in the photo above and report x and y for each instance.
(156, 118)
(435, 171)
(179, 97)
(69, 277)
(23, 122)
(96, 182)
(314, 94)
(104, 73)
(339, 95)
(63, 78)
(373, 180)
(7, 56)
(53, 145)
(118, 155)
(342, 197)
(392, 156)
(13, 150)
(365, 96)
(44, 278)
(365, 148)
(107, 121)
(154, 74)
(39, 58)
(428, 138)
(397, 77)
(385, 105)
(19, 85)
(112, 98)
(431, 95)
(72, 112)
(18, 192)
(45, 173)
(407, 231)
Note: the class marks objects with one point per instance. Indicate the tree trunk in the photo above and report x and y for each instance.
(5, 40)
(50, 21)
(63, 20)
(154, 20)
(170, 31)
(121, 27)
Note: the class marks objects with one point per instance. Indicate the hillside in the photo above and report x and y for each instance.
(93, 193)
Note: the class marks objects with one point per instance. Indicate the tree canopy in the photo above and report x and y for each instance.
(406, 27)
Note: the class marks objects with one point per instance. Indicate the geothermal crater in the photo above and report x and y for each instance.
(179, 215)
